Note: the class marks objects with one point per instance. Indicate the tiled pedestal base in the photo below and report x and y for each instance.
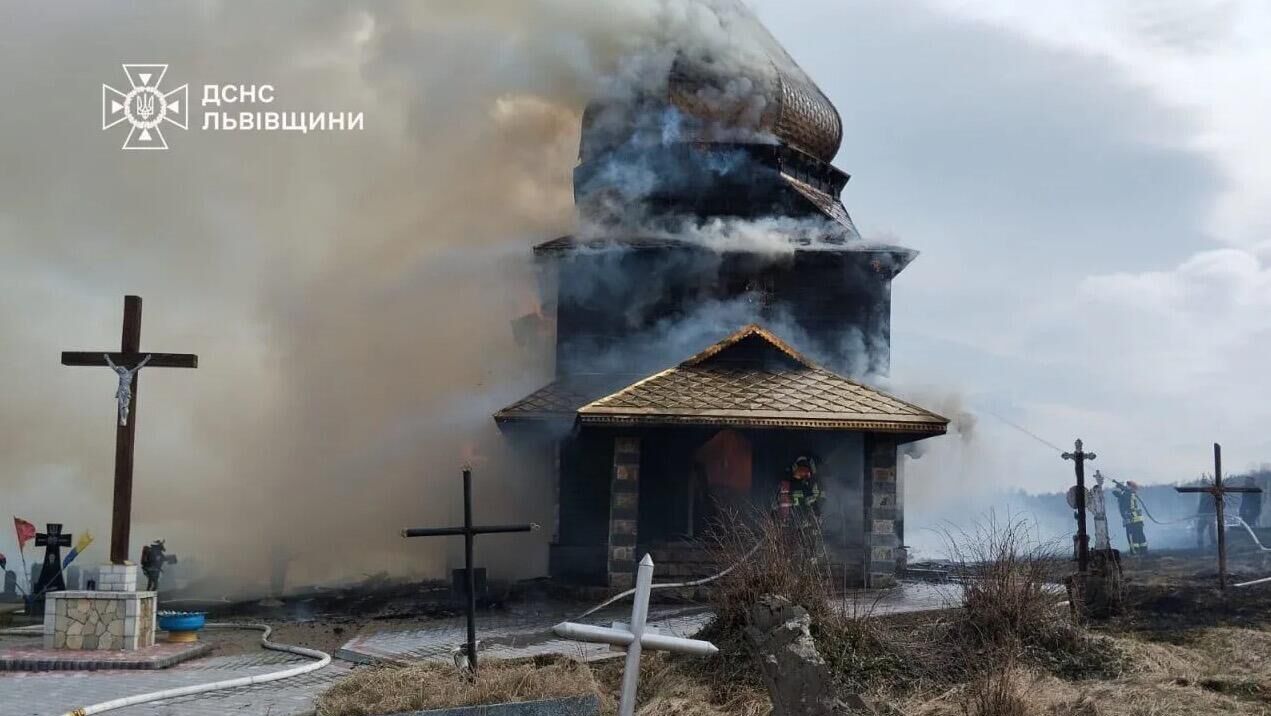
(99, 620)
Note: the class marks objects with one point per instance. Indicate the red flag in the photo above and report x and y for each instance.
(26, 532)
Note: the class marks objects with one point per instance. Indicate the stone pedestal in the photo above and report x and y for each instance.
(113, 617)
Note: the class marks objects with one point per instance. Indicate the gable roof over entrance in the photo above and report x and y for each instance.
(752, 378)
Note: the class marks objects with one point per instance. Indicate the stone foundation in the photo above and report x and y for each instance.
(99, 620)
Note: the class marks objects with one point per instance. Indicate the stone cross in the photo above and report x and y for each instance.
(634, 637)
(1079, 458)
(469, 532)
(129, 360)
(52, 540)
(1218, 490)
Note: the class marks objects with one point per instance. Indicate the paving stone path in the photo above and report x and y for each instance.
(54, 693)
(520, 631)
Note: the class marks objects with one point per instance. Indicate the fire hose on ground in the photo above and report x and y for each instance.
(322, 659)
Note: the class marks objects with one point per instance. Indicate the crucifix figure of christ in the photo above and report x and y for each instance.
(127, 363)
(469, 531)
(1219, 491)
(1079, 458)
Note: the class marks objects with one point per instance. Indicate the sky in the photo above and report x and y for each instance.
(1085, 182)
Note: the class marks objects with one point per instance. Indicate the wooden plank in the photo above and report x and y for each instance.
(157, 360)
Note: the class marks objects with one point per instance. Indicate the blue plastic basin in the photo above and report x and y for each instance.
(182, 621)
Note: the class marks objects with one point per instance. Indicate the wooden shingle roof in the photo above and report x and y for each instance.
(768, 385)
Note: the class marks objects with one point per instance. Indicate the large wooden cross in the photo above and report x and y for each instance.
(127, 363)
(469, 532)
(1218, 490)
(1079, 458)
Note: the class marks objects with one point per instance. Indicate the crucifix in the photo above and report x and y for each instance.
(127, 363)
(53, 539)
(1219, 491)
(635, 637)
(1079, 458)
(469, 532)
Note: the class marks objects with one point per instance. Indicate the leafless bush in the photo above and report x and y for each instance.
(767, 556)
(1009, 576)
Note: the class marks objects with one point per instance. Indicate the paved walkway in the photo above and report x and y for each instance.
(518, 632)
(54, 693)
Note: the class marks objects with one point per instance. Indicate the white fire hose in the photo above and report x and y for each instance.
(322, 660)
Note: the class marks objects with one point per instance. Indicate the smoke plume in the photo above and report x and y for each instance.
(350, 294)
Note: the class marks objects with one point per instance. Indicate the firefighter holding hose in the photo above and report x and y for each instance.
(1131, 508)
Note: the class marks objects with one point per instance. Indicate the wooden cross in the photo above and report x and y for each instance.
(129, 358)
(1219, 491)
(52, 540)
(469, 532)
(1079, 458)
(634, 637)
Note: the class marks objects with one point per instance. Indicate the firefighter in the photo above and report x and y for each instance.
(1131, 515)
(799, 496)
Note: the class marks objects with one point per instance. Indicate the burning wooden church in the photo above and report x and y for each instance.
(716, 318)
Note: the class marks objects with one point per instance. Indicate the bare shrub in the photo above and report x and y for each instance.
(1008, 574)
(1011, 602)
(767, 556)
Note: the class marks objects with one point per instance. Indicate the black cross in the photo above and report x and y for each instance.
(1079, 458)
(1218, 490)
(468, 531)
(52, 540)
(129, 357)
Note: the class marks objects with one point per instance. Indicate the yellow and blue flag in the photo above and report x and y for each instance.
(81, 544)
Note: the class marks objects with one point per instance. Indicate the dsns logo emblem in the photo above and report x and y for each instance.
(144, 106)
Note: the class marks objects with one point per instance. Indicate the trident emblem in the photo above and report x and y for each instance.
(144, 106)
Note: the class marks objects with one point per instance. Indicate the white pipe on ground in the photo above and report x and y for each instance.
(322, 660)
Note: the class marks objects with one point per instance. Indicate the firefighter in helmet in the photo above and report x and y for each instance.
(1131, 515)
(799, 495)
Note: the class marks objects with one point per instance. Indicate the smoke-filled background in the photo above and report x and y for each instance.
(1083, 183)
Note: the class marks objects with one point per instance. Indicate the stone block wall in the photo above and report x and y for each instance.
(882, 512)
(117, 578)
(624, 511)
(99, 620)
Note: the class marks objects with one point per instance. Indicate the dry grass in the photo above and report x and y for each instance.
(996, 693)
(389, 690)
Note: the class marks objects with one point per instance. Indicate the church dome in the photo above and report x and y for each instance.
(747, 89)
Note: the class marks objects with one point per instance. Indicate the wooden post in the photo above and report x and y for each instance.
(125, 439)
(1222, 522)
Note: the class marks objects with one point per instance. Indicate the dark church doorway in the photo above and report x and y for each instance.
(722, 475)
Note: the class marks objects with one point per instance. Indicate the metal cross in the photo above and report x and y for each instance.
(129, 358)
(468, 531)
(634, 637)
(1079, 458)
(52, 540)
(1218, 490)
